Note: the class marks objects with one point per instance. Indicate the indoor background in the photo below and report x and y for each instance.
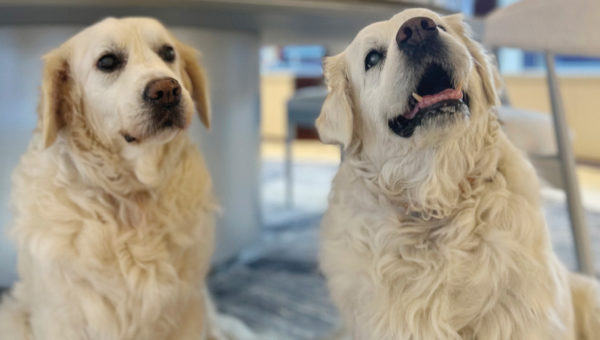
(272, 175)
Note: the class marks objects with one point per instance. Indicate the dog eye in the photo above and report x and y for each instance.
(167, 53)
(442, 28)
(373, 58)
(109, 62)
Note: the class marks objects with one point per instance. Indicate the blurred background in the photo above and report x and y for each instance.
(272, 175)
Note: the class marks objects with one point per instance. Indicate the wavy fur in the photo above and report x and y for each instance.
(441, 235)
(114, 241)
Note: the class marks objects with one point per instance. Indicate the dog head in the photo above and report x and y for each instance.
(412, 81)
(410, 98)
(127, 82)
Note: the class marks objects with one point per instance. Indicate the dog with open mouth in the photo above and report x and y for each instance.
(113, 203)
(434, 228)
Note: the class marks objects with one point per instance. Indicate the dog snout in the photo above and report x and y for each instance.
(164, 93)
(415, 32)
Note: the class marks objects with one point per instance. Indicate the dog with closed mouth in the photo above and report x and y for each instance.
(114, 212)
(434, 228)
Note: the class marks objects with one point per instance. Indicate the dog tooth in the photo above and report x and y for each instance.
(417, 97)
(459, 87)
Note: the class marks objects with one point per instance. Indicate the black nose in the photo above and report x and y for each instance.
(164, 93)
(415, 32)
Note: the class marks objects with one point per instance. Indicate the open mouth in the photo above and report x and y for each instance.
(435, 95)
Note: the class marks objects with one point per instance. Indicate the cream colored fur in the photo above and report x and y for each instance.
(114, 238)
(441, 235)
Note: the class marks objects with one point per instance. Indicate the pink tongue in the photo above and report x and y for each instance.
(433, 99)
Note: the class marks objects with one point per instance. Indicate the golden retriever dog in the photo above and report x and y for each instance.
(434, 229)
(113, 204)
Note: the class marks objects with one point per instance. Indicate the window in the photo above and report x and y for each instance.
(300, 60)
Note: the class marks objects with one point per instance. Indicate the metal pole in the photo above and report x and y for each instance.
(567, 162)
(289, 176)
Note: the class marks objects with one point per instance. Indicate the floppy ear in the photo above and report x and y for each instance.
(484, 62)
(56, 106)
(334, 124)
(194, 79)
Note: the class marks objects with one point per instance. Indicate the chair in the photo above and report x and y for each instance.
(551, 27)
(303, 109)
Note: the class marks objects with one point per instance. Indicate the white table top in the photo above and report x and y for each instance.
(278, 21)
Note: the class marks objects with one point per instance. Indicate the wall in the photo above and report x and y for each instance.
(230, 148)
(275, 90)
(580, 98)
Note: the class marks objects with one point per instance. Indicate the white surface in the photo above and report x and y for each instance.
(557, 26)
(230, 148)
(328, 22)
(529, 131)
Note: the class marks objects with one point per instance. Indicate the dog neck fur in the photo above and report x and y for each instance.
(432, 181)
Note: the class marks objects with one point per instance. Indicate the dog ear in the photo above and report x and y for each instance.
(194, 79)
(335, 122)
(56, 105)
(484, 62)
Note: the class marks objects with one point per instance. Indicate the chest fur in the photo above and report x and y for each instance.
(402, 277)
(132, 260)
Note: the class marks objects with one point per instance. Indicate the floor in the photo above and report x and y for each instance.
(275, 287)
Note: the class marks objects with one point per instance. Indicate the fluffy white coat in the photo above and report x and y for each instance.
(114, 238)
(441, 235)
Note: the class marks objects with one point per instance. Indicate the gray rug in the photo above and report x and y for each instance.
(280, 290)
(275, 286)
